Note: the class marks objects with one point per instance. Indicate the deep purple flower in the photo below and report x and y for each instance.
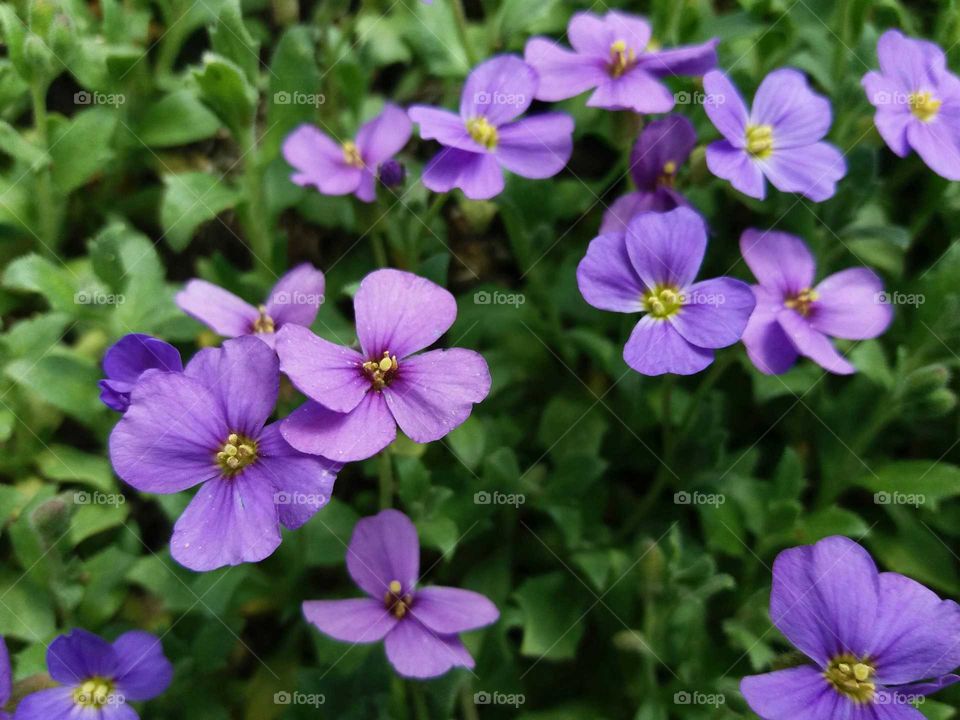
(336, 168)
(207, 426)
(873, 638)
(127, 359)
(779, 139)
(357, 399)
(6, 679)
(485, 138)
(663, 146)
(97, 679)
(392, 173)
(918, 102)
(294, 300)
(613, 54)
(794, 317)
(419, 626)
(651, 269)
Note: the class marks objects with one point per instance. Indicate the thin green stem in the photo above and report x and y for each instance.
(255, 221)
(385, 478)
(461, 21)
(467, 705)
(419, 702)
(48, 207)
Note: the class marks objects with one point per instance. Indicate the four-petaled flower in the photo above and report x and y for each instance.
(663, 146)
(207, 426)
(485, 136)
(779, 139)
(651, 269)
(352, 166)
(419, 625)
(98, 679)
(615, 55)
(294, 300)
(357, 399)
(917, 101)
(877, 641)
(795, 317)
(127, 359)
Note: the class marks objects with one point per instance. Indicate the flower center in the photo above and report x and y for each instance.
(238, 452)
(803, 301)
(760, 140)
(851, 677)
(622, 58)
(663, 301)
(483, 131)
(264, 323)
(95, 692)
(351, 154)
(381, 371)
(924, 106)
(396, 603)
(668, 174)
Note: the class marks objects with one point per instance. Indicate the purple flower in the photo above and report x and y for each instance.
(779, 139)
(336, 168)
(794, 317)
(357, 399)
(97, 679)
(651, 269)
(613, 54)
(392, 173)
(6, 679)
(419, 626)
(872, 637)
(663, 146)
(294, 300)
(207, 426)
(485, 137)
(127, 359)
(917, 101)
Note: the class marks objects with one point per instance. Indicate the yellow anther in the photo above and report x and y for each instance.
(93, 693)
(923, 105)
(861, 672)
(233, 438)
(803, 301)
(230, 450)
(236, 453)
(264, 323)
(670, 168)
(662, 301)
(395, 587)
(351, 154)
(381, 371)
(760, 140)
(385, 364)
(482, 131)
(621, 59)
(850, 676)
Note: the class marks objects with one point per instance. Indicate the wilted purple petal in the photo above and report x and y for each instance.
(563, 74)
(794, 693)
(342, 437)
(384, 548)
(779, 260)
(417, 652)
(357, 620)
(734, 164)
(725, 108)
(448, 610)
(478, 175)
(297, 296)
(384, 136)
(656, 348)
(538, 146)
(850, 305)
(219, 309)
(798, 115)
(606, 277)
(143, 671)
(812, 170)
(715, 312)
(80, 655)
(498, 89)
(667, 248)
(812, 343)
(323, 371)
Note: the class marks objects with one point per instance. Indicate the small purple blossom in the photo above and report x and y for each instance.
(663, 146)
(486, 138)
(613, 54)
(918, 102)
(420, 627)
(98, 679)
(294, 300)
(207, 426)
(127, 359)
(793, 317)
(341, 168)
(6, 679)
(357, 399)
(877, 641)
(392, 173)
(779, 139)
(651, 269)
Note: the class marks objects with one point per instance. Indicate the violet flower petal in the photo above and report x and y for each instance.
(563, 74)
(667, 248)
(636, 90)
(477, 174)
(794, 693)
(127, 358)
(685, 60)
(656, 348)
(319, 161)
(812, 171)
(143, 671)
(538, 146)
(799, 116)
(850, 306)
(726, 108)
(715, 312)
(80, 655)
(357, 620)
(668, 140)
(606, 277)
(219, 309)
(417, 652)
(297, 296)
(768, 346)
(938, 145)
(734, 164)
(780, 261)
(323, 371)
(445, 127)
(50, 704)
(590, 35)
(448, 610)
(617, 217)
(342, 437)
(384, 548)
(498, 89)
(812, 343)
(384, 136)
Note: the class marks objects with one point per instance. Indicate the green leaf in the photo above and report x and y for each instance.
(63, 380)
(295, 84)
(176, 119)
(26, 612)
(64, 463)
(552, 623)
(191, 199)
(81, 147)
(229, 37)
(13, 144)
(469, 441)
(913, 483)
(102, 512)
(225, 89)
(33, 273)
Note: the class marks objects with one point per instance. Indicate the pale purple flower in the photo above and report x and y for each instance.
(341, 168)
(98, 679)
(486, 138)
(127, 359)
(651, 268)
(795, 317)
(779, 139)
(357, 399)
(614, 54)
(6, 679)
(918, 102)
(877, 641)
(207, 426)
(420, 626)
(663, 146)
(294, 300)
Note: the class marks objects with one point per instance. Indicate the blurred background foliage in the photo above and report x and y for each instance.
(139, 147)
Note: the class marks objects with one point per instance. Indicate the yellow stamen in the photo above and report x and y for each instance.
(663, 301)
(924, 106)
(483, 131)
(395, 587)
(760, 141)
(621, 58)
(264, 323)
(851, 677)
(381, 371)
(396, 604)
(93, 693)
(803, 301)
(237, 453)
(351, 154)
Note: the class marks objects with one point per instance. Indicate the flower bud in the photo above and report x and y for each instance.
(392, 173)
